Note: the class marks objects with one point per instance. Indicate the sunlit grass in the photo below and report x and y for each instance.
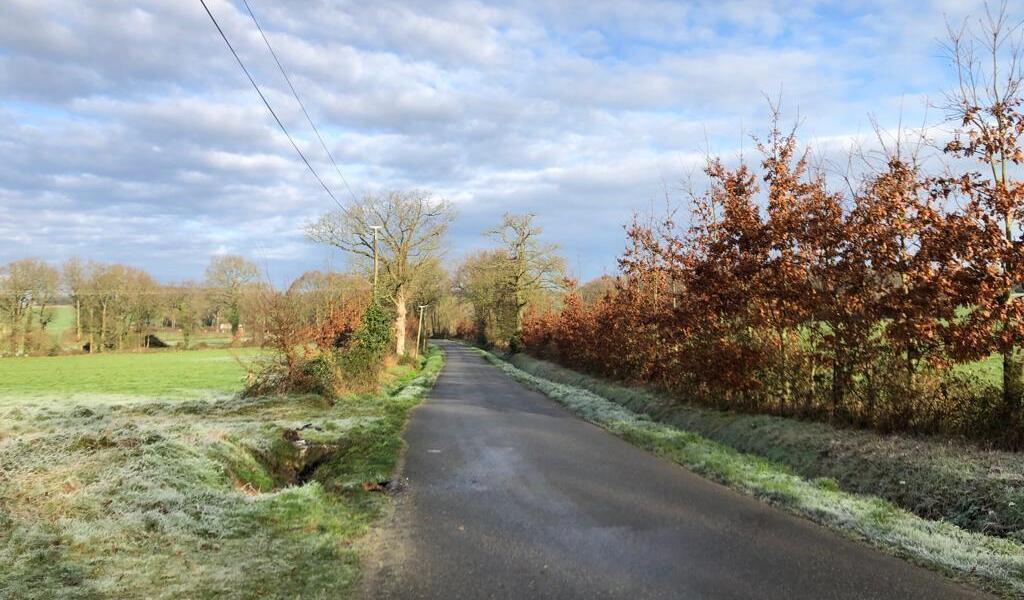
(123, 376)
(62, 320)
(987, 370)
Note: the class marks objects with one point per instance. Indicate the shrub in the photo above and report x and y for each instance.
(294, 364)
(362, 361)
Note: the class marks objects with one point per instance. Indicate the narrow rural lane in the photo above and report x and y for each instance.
(510, 496)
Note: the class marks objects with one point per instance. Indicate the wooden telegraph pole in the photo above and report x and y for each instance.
(419, 328)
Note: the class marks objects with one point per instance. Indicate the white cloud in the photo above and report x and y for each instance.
(128, 133)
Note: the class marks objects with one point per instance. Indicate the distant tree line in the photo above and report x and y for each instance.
(119, 307)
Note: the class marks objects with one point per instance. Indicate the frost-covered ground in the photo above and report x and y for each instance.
(172, 497)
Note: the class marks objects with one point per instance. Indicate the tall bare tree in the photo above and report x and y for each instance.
(27, 288)
(226, 277)
(73, 277)
(532, 265)
(411, 229)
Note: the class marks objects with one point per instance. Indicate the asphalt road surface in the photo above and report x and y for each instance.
(508, 495)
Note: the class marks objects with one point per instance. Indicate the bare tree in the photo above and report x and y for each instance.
(482, 281)
(532, 265)
(27, 288)
(596, 289)
(186, 303)
(140, 307)
(227, 276)
(73, 277)
(412, 226)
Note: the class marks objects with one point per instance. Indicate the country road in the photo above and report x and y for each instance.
(508, 495)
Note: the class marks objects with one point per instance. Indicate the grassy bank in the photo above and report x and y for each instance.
(169, 498)
(975, 489)
(994, 563)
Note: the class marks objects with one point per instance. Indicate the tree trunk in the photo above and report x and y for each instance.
(910, 368)
(1013, 387)
(103, 327)
(25, 331)
(92, 329)
(787, 374)
(400, 322)
(1012, 372)
(838, 378)
(78, 319)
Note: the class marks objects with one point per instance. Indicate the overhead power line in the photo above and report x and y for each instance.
(269, 108)
(302, 105)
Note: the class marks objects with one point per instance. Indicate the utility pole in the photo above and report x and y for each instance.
(419, 327)
(375, 269)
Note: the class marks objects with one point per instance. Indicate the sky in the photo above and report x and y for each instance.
(129, 134)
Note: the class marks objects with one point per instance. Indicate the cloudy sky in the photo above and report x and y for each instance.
(128, 133)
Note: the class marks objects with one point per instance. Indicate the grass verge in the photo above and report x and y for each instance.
(994, 563)
(235, 498)
(938, 479)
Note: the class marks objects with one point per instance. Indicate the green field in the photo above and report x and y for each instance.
(213, 340)
(169, 496)
(988, 370)
(122, 376)
(63, 320)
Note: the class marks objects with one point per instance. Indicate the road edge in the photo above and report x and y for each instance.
(382, 542)
(981, 561)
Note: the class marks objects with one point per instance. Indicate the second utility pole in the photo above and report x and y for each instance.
(419, 328)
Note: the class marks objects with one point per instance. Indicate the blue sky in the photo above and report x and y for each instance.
(128, 134)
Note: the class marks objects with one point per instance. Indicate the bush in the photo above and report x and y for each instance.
(304, 359)
(316, 374)
(363, 360)
(294, 366)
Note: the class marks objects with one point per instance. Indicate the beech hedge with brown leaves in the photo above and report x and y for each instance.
(783, 296)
